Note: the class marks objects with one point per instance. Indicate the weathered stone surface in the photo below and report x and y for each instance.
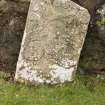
(101, 10)
(52, 41)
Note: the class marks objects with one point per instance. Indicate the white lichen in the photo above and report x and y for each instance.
(61, 73)
(30, 75)
(57, 74)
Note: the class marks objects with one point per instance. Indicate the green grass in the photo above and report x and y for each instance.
(83, 91)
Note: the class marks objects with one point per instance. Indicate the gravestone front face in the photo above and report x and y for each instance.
(52, 42)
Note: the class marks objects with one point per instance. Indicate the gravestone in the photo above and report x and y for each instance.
(52, 42)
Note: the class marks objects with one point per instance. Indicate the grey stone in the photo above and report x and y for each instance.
(101, 10)
(52, 42)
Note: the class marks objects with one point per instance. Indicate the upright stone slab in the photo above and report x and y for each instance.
(52, 42)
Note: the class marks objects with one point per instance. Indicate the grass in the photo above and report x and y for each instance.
(83, 91)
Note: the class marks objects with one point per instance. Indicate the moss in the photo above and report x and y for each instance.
(101, 21)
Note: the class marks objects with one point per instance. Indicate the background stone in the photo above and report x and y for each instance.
(93, 53)
(12, 22)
